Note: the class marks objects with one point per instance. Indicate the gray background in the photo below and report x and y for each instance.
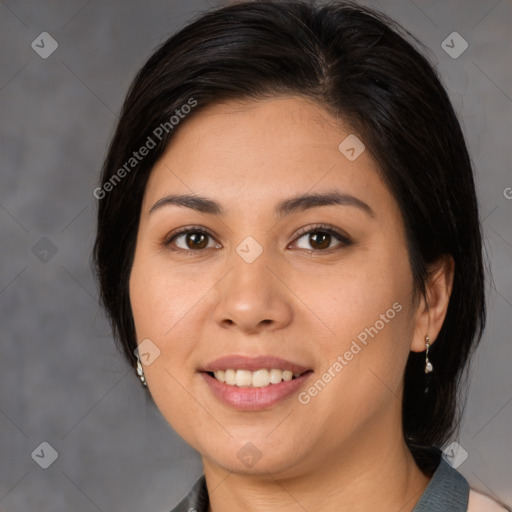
(61, 378)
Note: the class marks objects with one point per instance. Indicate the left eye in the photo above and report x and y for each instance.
(320, 239)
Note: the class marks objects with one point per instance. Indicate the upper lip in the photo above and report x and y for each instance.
(241, 362)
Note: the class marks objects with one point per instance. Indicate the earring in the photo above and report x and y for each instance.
(428, 365)
(140, 373)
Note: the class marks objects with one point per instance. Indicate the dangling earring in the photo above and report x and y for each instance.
(140, 373)
(428, 365)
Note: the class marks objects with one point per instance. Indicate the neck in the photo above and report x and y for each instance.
(374, 472)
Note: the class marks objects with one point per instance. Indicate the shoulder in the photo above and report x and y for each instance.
(479, 502)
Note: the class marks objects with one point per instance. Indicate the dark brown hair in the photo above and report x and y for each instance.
(361, 66)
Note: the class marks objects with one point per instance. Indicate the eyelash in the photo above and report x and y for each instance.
(321, 228)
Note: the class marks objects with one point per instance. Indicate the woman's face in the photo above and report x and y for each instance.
(256, 293)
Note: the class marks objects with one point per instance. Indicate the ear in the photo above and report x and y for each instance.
(431, 310)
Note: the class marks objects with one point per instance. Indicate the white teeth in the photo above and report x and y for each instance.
(220, 375)
(230, 376)
(243, 378)
(258, 379)
(276, 376)
(287, 375)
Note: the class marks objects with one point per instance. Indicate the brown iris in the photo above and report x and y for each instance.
(199, 240)
(321, 238)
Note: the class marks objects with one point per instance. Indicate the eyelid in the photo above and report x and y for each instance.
(342, 237)
(186, 229)
(339, 234)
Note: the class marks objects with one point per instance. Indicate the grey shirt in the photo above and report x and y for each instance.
(447, 491)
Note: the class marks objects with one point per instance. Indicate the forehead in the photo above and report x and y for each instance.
(253, 151)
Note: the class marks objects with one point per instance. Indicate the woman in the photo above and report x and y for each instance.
(289, 250)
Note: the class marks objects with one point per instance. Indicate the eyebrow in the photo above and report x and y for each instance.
(284, 208)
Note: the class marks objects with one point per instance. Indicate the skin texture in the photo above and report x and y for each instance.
(343, 450)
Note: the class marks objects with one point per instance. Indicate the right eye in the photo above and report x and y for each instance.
(193, 239)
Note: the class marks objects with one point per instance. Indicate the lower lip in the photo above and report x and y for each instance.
(254, 399)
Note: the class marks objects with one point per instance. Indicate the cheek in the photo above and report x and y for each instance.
(368, 294)
(160, 297)
(367, 306)
(160, 303)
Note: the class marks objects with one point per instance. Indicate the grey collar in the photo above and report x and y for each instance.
(447, 490)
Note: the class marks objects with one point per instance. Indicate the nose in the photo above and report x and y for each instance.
(253, 297)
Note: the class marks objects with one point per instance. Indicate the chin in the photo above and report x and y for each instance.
(256, 457)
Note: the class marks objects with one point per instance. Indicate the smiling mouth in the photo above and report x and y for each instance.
(254, 379)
